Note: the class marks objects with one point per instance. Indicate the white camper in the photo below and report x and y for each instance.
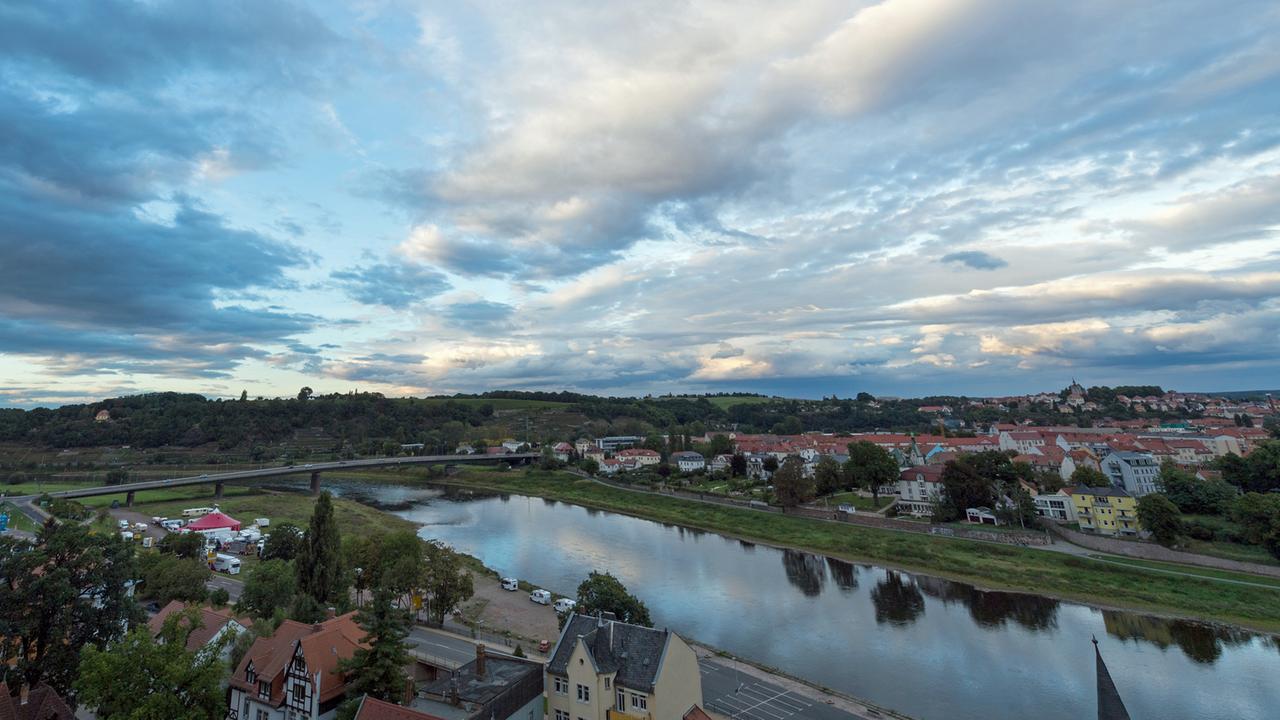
(228, 564)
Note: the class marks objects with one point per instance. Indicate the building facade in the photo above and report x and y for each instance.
(1105, 511)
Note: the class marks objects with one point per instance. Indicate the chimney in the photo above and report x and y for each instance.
(480, 657)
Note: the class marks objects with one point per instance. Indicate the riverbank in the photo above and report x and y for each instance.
(986, 565)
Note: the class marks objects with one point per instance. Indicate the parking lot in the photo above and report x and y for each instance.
(739, 693)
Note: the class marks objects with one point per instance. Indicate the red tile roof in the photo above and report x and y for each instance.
(323, 646)
(42, 704)
(211, 621)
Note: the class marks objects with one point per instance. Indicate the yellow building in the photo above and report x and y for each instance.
(603, 669)
(1105, 510)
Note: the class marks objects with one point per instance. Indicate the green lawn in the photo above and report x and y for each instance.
(19, 521)
(1194, 570)
(1232, 551)
(985, 564)
(862, 504)
(287, 507)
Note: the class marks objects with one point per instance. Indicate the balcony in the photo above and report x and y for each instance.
(618, 715)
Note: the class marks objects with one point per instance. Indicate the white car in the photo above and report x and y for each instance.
(564, 605)
(124, 524)
(542, 597)
(510, 584)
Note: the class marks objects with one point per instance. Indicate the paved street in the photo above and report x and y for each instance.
(231, 585)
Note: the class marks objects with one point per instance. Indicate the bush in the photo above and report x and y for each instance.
(1199, 531)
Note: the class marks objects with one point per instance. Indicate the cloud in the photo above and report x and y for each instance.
(725, 350)
(975, 259)
(394, 285)
(481, 316)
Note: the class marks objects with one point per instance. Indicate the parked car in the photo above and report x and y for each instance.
(156, 519)
(510, 584)
(564, 605)
(542, 597)
(543, 645)
(124, 524)
(847, 509)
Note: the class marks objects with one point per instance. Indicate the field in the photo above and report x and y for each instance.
(281, 507)
(500, 403)
(724, 402)
(1194, 570)
(860, 503)
(984, 564)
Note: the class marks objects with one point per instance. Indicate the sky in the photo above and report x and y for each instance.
(904, 197)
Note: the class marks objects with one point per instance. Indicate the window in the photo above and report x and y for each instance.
(606, 683)
(562, 686)
(262, 715)
(250, 676)
(300, 664)
(264, 688)
(639, 702)
(621, 705)
(299, 691)
(562, 715)
(584, 694)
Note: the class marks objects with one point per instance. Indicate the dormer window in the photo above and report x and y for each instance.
(249, 675)
(300, 664)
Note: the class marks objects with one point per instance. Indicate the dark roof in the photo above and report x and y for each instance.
(43, 703)
(633, 652)
(510, 679)
(1108, 491)
(375, 709)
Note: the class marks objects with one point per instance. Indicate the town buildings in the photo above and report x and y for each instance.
(1138, 473)
(294, 674)
(604, 669)
(493, 686)
(1105, 511)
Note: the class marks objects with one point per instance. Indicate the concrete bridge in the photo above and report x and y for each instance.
(312, 469)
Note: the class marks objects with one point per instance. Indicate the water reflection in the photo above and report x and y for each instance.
(992, 608)
(897, 599)
(804, 571)
(843, 574)
(1201, 642)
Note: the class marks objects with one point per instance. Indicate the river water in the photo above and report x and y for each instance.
(927, 647)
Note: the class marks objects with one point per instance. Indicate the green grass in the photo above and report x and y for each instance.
(286, 507)
(200, 495)
(862, 504)
(985, 564)
(34, 488)
(724, 402)
(19, 521)
(1232, 551)
(1195, 570)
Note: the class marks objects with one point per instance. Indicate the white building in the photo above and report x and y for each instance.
(1057, 506)
(1137, 473)
(919, 489)
(688, 461)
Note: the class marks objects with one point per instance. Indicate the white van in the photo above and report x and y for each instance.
(196, 512)
(228, 564)
(542, 597)
(564, 605)
(124, 524)
(140, 527)
(148, 541)
(510, 584)
(171, 525)
(262, 522)
(126, 536)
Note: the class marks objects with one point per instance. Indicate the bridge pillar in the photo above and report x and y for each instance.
(315, 483)
(217, 490)
(128, 499)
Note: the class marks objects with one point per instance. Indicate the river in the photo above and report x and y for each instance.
(927, 647)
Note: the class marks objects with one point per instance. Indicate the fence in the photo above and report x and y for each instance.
(1151, 551)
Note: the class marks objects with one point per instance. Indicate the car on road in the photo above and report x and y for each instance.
(167, 481)
(542, 597)
(203, 476)
(510, 584)
(564, 605)
(306, 466)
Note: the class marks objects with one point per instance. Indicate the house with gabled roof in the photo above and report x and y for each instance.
(295, 673)
(605, 669)
(214, 625)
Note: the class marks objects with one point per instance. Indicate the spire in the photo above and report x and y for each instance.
(1110, 706)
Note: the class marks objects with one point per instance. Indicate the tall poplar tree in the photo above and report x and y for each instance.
(378, 669)
(319, 563)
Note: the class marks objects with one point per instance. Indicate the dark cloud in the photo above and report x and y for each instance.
(480, 316)
(975, 259)
(725, 350)
(394, 285)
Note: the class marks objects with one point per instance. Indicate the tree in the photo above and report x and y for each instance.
(377, 668)
(865, 397)
(305, 393)
(1259, 517)
(168, 577)
(870, 467)
(602, 592)
(827, 476)
(183, 545)
(284, 543)
(738, 465)
(65, 592)
(1159, 516)
(790, 484)
(1259, 472)
(115, 476)
(1193, 495)
(244, 396)
(1089, 477)
(269, 586)
(770, 464)
(446, 583)
(964, 487)
(140, 678)
(219, 597)
(1020, 510)
(319, 562)
(589, 465)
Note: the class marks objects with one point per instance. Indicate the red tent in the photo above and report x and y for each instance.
(214, 521)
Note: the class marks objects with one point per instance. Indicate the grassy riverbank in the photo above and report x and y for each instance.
(296, 508)
(984, 564)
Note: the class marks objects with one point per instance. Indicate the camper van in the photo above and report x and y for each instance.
(171, 525)
(124, 524)
(148, 541)
(542, 597)
(226, 564)
(509, 583)
(196, 512)
(126, 536)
